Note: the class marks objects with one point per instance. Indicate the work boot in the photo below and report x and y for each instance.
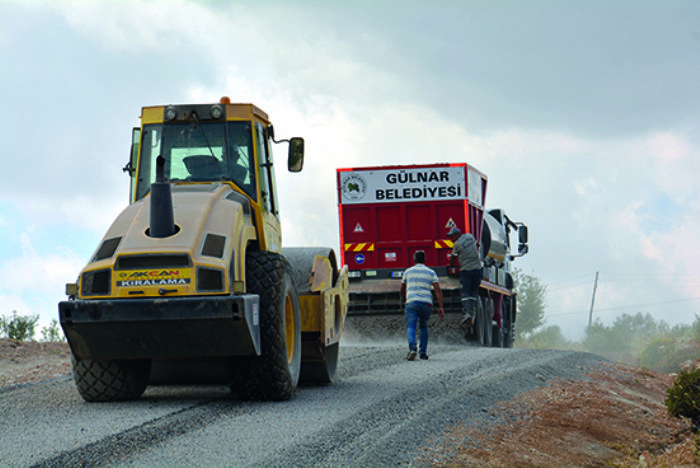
(468, 309)
(411, 355)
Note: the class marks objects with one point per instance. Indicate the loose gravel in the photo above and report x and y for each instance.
(380, 411)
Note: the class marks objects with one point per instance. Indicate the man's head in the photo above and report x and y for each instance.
(419, 256)
(454, 234)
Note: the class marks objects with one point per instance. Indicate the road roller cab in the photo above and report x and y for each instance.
(191, 284)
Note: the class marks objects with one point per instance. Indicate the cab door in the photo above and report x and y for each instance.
(268, 191)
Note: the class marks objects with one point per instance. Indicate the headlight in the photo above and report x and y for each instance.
(96, 283)
(216, 111)
(210, 279)
(170, 113)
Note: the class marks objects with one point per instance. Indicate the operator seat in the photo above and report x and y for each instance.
(239, 173)
(203, 167)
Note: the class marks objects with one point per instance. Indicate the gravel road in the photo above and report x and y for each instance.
(382, 410)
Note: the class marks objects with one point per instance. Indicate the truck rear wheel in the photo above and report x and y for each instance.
(497, 337)
(274, 374)
(478, 324)
(116, 380)
(508, 325)
(487, 309)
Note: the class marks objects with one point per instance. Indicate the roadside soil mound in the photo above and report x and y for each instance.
(616, 418)
(24, 362)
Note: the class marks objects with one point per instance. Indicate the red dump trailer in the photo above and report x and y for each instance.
(387, 213)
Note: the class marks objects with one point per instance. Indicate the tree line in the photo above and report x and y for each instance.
(22, 328)
(636, 339)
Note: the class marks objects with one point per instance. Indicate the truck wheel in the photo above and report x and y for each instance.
(507, 324)
(111, 380)
(478, 324)
(488, 321)
(497, 335)
(274, 374)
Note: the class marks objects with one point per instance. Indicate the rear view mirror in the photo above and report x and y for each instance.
(295, 161)
(522, 234)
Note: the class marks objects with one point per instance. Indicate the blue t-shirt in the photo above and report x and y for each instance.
(419, 279)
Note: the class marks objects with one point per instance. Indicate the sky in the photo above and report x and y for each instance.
(582, 114)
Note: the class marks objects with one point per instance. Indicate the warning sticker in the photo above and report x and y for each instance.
(358, 228)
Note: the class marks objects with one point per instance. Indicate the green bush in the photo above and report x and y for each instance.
(666, 354)
(550, 337)
(52, 332)
(18, 327)
(683, 398)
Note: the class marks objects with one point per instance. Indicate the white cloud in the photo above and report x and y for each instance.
(131, 25)
(675, 165)
(93, 214)
(33, 281)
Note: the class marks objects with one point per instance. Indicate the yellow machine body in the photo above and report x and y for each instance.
(171, 278)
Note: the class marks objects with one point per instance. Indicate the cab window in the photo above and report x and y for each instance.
(208, 151)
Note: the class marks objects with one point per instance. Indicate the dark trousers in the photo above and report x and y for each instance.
(470, 280)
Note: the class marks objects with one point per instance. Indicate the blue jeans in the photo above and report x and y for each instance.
(470, 281)
(418, 313)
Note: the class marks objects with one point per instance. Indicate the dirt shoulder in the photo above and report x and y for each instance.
(615, 418)
(32, 362)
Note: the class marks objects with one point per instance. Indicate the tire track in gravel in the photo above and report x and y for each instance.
(126, 444)
(390, 431)
(49, 424)
(378, 417)
(54, 407)
(379, 411)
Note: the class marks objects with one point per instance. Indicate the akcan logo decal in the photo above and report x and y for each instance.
(153, 278)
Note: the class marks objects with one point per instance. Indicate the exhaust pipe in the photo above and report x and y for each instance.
(162, 217)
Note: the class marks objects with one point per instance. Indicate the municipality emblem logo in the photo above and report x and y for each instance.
(354, 187)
